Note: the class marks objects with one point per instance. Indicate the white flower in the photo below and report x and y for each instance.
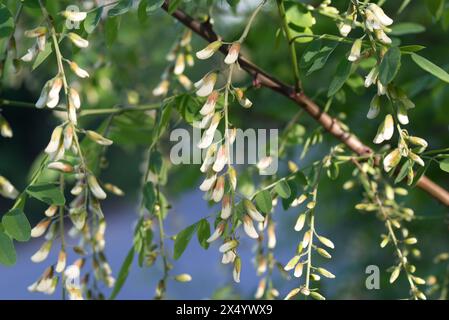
(40, 228)
(206, 85)
(36, 32)
(51, 211)
(78, 70)
(228, 257)
(55, 140)
(374, 108)
(226, 208)
(355, 50)
(298, 270)
(180, 64)
(7, 190)
(53, 93)
(233, 53)
(68, 137)
(382, 36)
(41, 42)
(76, 16)
(209, 158)
(209, 134)
(380, 14)
(161, 89)
(392, 160)
(344, 28)
(229, 245)
(402, 114)
(217, 193)
(98, 138)
(209, 51)
(371, 77)
(381, 89)
(209, 106)
(248, 226)
(30, 55)
(252, 211)
(416, 158)
(222, 158)
(371, 21)
(42, 253)
(77, 40)
(242, 99)
(185, 81)
(95, 188)
(386, 130)
(292, 263)
(62, 259)
(271, 236)
(74, 98)
(300, 222)
(208, 182)
(217, 233)
(60, 166)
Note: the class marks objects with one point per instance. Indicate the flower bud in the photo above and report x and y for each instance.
(78, 71)
(217, 233)
(98, 138)
(76, 16)
(355, 50)
(184, 277)
(95, 188)
(226, 208)
(77, 40)
(248, 226)
(55, 140)
(233, 53)
(209, 50)
(40, 228)
(217, 193)
(392, 160)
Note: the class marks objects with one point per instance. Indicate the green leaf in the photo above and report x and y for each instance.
(300, 17)
(203, 233)
(123, 274)
(436, 7)
(310, 53)
(17, 225)
(430, 67)
(111, 30)
(173, 5)
(42, 56)
(154, 5)
(341, 75)
(403, 172)
(282, 189)
(400, 29)
(444, 165)
(263, 201)
(390, 65)
(6, 22)
(121, 8)
(7, 251)
(183, 239)
(92, 19)
(142, 11)
(47, 192)
(149, 196)
(321, 58)
(411, 48)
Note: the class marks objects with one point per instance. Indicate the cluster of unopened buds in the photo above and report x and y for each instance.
(217, 155)
(180, 56)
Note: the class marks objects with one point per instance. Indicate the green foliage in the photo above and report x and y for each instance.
(47, 192)
(430, 67)
(17, 225)
(390, 65)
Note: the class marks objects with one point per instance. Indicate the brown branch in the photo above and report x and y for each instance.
(262, 78)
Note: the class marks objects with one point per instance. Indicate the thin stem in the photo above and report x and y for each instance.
(291, 44)
(250, 21)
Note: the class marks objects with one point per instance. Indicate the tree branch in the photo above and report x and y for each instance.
(262, 78)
